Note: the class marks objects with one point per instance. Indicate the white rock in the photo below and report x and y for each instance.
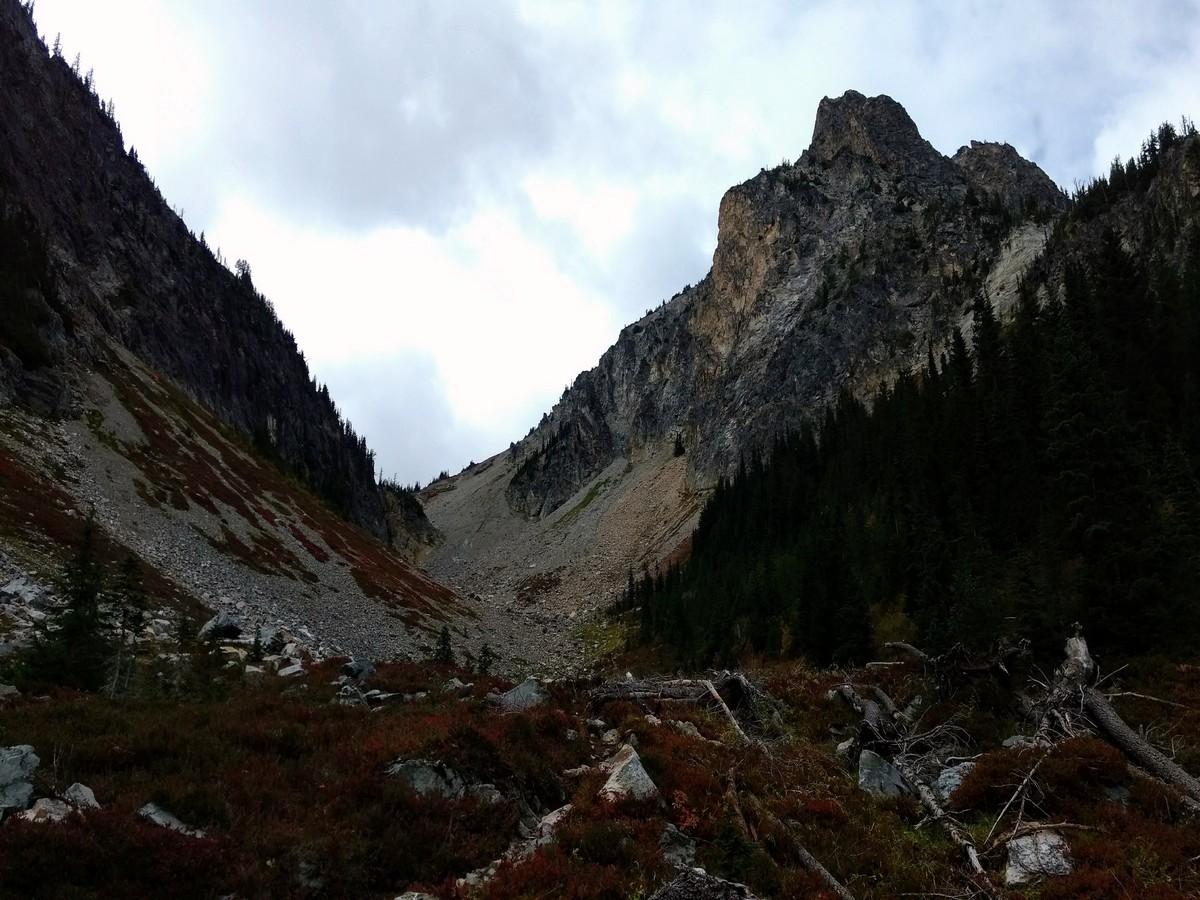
(627, 777)
(46, 811)
(164, 819)
(1033, 856)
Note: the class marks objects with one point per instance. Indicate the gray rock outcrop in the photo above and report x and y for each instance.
(426, 777)
(835, 271)
(17, 765)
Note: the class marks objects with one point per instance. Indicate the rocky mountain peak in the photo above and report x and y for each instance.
(999, 169)
(875, 128)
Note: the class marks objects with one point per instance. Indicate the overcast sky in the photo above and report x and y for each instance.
(455, 206)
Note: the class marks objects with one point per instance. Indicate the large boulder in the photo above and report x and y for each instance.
(81, 796)
(526, 695)
(427, 777)
(17, 765)
(878, 776)
(1032, 857)
(627, 779)
(222, 625)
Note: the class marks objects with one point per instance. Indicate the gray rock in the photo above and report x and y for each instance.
(427, 777)
(549, 824)
(20, 588)
(17, 764)
(677, 848)
(688, 729)
(352, 696)
(485, 793)
(291, 671)
(358, 669)
(46, 811)
(525, 695)
(696, 884)
(1018, 740)
(272, 638)
(81, 796)
(1037, 855)
(1117, 793)
(878, 776)
(222, 625)
(950, 778)
(7, 690)
(627, 778)
(17, 795)
(164, 819)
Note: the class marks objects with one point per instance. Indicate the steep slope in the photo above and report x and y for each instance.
(126, 269)
(142, 380)
(833, 273)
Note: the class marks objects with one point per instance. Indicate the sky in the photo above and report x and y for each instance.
(456, 205)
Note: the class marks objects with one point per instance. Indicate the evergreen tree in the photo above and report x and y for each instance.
(127, 605)
(74, 644)
(444, 652)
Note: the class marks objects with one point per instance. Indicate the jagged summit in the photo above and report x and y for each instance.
(875, 128)
(998, 168)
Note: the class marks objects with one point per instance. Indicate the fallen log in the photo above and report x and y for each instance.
(1073, 696)
(728, 692)
(1137, 748)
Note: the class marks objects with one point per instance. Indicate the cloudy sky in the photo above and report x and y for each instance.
(455, 206)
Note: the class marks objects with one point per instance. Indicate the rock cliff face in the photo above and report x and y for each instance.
(124, 270)
(832, 273)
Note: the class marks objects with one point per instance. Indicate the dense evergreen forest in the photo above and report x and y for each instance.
(1043, 476)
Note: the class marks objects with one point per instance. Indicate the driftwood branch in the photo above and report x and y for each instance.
(952, 829)
(810, 862)
(728, 691)
(728, 712)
